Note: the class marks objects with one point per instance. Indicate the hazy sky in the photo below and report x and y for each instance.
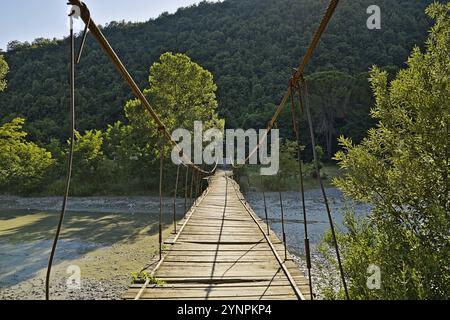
(25, 20)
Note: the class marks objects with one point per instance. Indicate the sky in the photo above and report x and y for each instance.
(25, 20)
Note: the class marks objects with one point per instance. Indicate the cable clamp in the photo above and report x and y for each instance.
(75, 12)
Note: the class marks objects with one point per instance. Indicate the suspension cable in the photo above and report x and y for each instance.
(98, 35)
(69, 157)
(186, 179)
(192, 186)
(83, 39)
(298, 72)
(197, 185)
(325, 199)
(317, 35)
(265, 205)
(161, 167)
(296, 127)
(175, 200)
(283, 231)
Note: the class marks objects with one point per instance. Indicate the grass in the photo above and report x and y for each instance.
(142, 277)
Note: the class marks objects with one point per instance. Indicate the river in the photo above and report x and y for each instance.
(113, 236)
(318, 222)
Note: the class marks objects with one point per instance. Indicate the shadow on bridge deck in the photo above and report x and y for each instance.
(222, 252)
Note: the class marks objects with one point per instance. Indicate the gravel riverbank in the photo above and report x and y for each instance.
(104, 238)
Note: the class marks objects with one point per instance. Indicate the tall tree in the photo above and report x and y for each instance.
(402, 170)
(181, 92)
(330, 101)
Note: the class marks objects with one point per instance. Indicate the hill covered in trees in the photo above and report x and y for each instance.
(250, 46)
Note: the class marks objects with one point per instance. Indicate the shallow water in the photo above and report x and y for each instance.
(317, 218)
(27, 228)
(27, 225)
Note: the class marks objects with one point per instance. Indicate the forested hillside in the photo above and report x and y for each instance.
(249, 46)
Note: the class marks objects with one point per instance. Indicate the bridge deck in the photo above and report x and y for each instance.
(222, 252)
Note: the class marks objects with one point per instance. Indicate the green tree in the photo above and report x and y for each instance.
(120, 146)
(118, 142)
(330, 100)
(23, 164)
(91, 170)
(288, 162)
(181, 92)
(3, 71)
(401, 168)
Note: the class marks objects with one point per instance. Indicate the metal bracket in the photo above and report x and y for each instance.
(75, 13)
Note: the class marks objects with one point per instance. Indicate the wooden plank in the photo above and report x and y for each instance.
(221, 253)
(218, 293)
(217, 259)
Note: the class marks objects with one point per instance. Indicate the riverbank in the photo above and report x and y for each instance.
(251, 180)
(106, 244)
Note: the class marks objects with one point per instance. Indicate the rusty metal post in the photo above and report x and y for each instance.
(282, 218)
(192, 187)
(175, 201)
(186, 179)
(161, 167)
(265, 206)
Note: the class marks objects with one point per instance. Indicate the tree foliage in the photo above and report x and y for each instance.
(250, 46)
(331, 92)
(401, 168)
(23, 164)
(181, 92)
(3, 71)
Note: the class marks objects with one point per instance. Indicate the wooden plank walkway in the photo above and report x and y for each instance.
(222, 252)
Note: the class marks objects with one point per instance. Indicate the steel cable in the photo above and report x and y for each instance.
(161, 167)
(296, 127)
(175, 200)
(322, 188)
(69, 158)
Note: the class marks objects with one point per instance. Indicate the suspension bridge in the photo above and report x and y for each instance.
(222, 249)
